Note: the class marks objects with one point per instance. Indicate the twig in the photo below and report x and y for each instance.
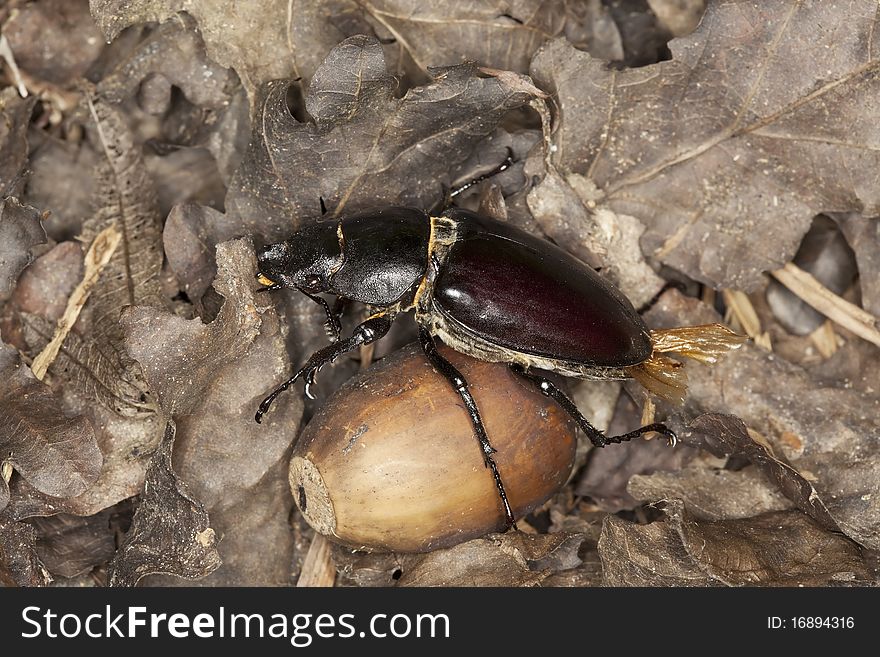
(97, 257)
(838, 310)
(825, 339)
(317, 568)
(740, 306)
(6, 54)
(649, 411)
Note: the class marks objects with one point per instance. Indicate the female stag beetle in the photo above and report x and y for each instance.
(485, 288)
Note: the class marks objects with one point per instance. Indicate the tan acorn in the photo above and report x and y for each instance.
(390, 461)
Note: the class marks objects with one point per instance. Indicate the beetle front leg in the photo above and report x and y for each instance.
(332, 325)
(369, 331)
(458, 382)
(596, 437)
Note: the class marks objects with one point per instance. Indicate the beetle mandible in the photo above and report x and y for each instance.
(482, 286)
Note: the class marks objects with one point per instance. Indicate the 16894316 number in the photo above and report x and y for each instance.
(826, 622)
(811, 622)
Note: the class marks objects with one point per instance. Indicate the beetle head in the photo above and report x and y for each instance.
(305, 261)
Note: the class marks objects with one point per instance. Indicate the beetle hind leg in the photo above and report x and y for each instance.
(458, 382)
(596, 437)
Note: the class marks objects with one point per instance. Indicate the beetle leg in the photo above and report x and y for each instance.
(332, 324)
(508, 162)
(458, 382)
(596, 437)
(369, 331)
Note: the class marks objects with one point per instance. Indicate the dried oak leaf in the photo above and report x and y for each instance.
(500, 35)
(170, 532)
(58, 455)
(69, 545)
(513, 559)
(186, 175)
(783, 548)
(213, 377)
(181, 357)
(365, 148)
(20, 231)
(256, 544)
(61, 181)
(15, 114)
(92, 357)
(54, 40)
(92, 365)
(726, 436)
(764, 118)
(173, 52)
(863, 236)
(191, 235)
(828, 433)
(19, 563)
(125, 442)
(710, 493)
(282, 39)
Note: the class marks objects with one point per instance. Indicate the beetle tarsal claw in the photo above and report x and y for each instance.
(309, 378)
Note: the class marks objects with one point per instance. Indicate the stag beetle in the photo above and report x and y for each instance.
(484, 287)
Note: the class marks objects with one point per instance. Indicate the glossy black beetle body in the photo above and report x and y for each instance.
(484, 287)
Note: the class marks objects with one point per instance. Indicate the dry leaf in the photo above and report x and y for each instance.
(726, 435)
(181, 357)
(763, 119)
(124, 195)
(174, 52)
(15, 112)
(213, 376)
(54, 40)
(20, 232)
(710, 493)
(512, 559)
(783, 548)
(280, 40)
(486, 32)
(69, 546)
(191, 235)
(56, 454)
(829, 433)
(366, 148)
(863, 236)
(19, 563)
(170, 532)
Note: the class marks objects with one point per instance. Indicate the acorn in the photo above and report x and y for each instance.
(391, 462)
